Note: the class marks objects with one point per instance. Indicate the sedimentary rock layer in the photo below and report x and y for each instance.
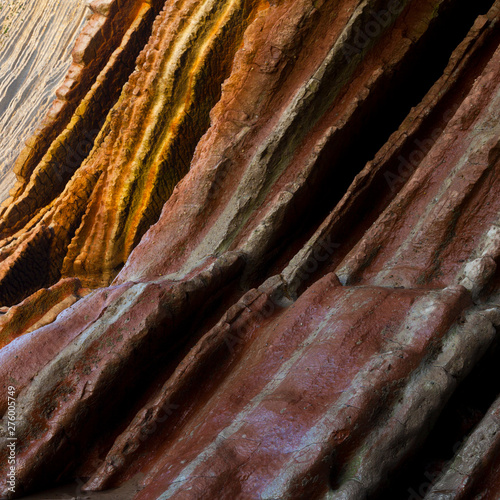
(36, 40)
(51, 227)
(137, 158)
(275, 290)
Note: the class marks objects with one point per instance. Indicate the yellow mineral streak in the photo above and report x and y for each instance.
(145, 161)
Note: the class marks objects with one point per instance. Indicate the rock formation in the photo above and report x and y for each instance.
(36, 39)
(252, 253)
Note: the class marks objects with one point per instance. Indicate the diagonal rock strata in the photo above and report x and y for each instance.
(295, 309)
(36, 40)
(100, 36)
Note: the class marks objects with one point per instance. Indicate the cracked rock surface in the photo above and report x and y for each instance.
(252, 252)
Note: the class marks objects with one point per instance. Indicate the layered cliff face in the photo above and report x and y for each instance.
(252, 253)
(36, 40)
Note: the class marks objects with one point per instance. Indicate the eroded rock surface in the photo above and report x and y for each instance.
(36, 40)
(272, 273)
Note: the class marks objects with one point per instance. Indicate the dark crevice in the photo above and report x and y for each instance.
(146, 372)
(370, 128)
(69, 155)
(464, 411)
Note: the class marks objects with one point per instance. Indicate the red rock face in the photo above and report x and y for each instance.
(284, 287)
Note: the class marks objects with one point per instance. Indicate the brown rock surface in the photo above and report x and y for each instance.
(286, 288)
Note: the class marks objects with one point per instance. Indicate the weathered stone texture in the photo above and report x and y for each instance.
(36, 40)
(274, 271)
